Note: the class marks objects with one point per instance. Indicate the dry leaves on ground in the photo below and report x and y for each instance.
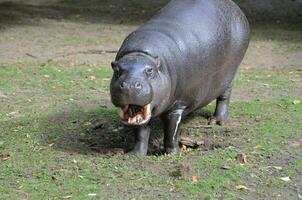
(241, 158)
(5, 156)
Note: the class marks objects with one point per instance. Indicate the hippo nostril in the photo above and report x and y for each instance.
(138, 85)
(123, 85)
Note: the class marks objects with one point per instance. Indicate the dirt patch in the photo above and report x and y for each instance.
(37, 31)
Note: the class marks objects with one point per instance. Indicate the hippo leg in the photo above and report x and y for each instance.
(171, 123)
(142, 140)
(222, 103)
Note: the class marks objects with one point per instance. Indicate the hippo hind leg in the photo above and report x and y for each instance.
(221, 111)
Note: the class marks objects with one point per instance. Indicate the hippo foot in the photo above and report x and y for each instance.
(138, 152)
(172, 151)
(217, 120)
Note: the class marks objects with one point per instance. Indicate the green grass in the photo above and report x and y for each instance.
(65, 101)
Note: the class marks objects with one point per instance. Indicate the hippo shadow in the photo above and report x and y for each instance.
(98, 131)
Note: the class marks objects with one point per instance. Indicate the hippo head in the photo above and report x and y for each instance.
(138, 88)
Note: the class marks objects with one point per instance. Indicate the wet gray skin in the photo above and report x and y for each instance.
(179, 61)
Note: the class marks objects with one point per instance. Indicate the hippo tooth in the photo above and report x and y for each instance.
(120, 113)
(147, 111)
(139, 118)
(131, 120)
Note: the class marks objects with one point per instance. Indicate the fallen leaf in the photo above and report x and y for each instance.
(277, 167)
(194, 179)
(5, 156)
(258, 118)
(51, 144)
(12, 113)
(67, 197)
(296, 102)
(241, 158)
(269, 183)
(286, 179)
(54, 178)
(241, 187)
(46, 76)
(183, 147)
(87, 123)
(92, 78)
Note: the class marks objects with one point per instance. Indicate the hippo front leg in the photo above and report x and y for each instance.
(171, 123)
(142, 135)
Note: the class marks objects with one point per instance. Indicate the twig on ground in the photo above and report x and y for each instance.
(30, 55)
(85, 52)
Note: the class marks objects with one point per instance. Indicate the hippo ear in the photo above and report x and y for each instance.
(113, 64)
(158, 63)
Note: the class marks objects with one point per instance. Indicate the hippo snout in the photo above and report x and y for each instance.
(131, 91)
(133, 98)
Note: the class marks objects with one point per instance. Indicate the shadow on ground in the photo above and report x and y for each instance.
(93, 11)
(99, 131)
(96, 131)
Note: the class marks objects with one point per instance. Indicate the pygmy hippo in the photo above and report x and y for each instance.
(179, 61)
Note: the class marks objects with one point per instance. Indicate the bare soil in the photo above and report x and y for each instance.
(84, 31)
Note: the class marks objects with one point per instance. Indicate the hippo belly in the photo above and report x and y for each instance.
(180, 60)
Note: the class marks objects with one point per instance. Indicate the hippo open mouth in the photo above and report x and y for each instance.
(134, 114)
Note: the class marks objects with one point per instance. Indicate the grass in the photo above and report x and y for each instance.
(46, 117)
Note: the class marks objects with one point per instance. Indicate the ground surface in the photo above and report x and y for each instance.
(60, 137)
